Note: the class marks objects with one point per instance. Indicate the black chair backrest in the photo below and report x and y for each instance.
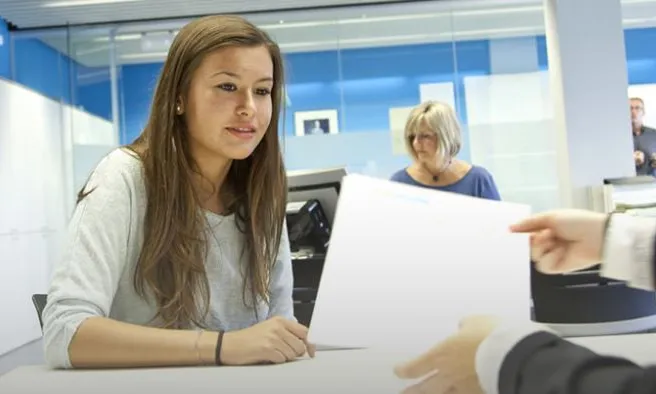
(39, 301)
(586, 297)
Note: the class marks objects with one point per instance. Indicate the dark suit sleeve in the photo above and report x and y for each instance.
(544, 363)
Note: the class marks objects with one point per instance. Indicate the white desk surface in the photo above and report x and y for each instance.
(335, 371)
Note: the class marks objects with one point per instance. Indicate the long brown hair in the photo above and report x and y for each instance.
(172, 262)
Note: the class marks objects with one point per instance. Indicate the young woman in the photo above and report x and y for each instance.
(433, 139)
(179, 237)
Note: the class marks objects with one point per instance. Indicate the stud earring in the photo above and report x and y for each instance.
(178, 109)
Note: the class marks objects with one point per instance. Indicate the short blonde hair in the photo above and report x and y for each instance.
(441, 119)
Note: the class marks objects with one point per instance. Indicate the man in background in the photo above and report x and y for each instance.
(644, 139)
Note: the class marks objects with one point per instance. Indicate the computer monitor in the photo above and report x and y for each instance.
(322, 185)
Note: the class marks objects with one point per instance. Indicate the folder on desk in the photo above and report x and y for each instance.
(405, 264)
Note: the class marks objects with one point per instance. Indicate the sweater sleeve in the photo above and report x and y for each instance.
(86, 278)
(282, 280)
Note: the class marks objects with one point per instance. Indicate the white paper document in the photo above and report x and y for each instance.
(405, 264)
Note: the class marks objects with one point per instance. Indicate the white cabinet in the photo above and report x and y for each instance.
(23, 271)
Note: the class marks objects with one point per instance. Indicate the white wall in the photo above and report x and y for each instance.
(36, 180)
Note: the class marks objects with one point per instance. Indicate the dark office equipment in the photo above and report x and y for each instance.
(320, 185)
(308, 227)
(585, 304)
(312, 201)
(39, 301)
(633, 180)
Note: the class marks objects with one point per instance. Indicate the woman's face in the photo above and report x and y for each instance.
(424, 143)
(228, 107)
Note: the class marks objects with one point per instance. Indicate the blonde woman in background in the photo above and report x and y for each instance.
(433, 139)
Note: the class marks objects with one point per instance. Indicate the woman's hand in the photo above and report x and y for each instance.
(564, 240)
(276, 340)
(450, 367)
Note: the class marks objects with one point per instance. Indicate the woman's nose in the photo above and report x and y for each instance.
(247, 105)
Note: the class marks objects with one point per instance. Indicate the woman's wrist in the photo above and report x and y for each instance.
(207, 347)
(228, 351)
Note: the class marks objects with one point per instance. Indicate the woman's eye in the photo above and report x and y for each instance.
(263, 92)
(228, 87)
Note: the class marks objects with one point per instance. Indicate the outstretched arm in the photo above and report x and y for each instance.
(77, 330)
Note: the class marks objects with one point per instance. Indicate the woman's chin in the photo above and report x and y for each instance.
(239, 154)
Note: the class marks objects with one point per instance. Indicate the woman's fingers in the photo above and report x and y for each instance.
(295, 344)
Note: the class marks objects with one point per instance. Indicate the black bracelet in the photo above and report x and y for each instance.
(219, 342)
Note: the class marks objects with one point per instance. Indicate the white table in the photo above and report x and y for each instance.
(337, 371)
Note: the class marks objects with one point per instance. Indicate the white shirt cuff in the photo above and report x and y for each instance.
(629, 250)
(494, 349)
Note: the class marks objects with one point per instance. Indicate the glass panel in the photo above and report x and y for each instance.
(351, 76)
(31, 52)
(390, 63)
(41, 94)
(312, 117)
(34, 164)
(504, 100)
(140, 54)
(91, 119)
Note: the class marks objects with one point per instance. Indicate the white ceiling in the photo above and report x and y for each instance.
(48, 13)
(339, 28)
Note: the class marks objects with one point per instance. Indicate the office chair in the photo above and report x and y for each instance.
(39, 301)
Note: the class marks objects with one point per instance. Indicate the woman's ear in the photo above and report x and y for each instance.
(179, 106)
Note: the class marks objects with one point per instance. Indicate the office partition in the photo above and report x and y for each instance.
(38, 170)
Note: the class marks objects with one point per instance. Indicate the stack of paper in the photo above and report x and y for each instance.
(405, 264)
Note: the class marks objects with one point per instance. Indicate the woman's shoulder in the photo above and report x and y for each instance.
(121, 160)
(401, 175)
(120, 167)
(483, 182)
(479, 173)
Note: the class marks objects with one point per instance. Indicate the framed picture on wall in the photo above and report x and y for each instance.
(316, 122)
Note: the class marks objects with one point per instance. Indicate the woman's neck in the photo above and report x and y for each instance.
(434, 177)
(210, 184)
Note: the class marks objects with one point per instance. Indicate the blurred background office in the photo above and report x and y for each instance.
(77, 76)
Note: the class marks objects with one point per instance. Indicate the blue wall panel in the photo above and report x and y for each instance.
(5, 53)
(137, 85)
(92, 90)
(53, 74)
(43, 69)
